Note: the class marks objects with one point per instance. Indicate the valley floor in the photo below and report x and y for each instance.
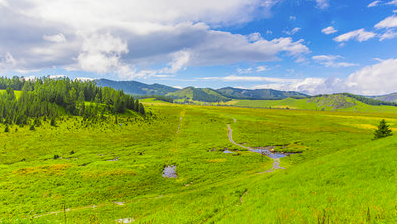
(109, 173)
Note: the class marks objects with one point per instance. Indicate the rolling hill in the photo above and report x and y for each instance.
(335, 102)
(392, 97)
(262, 94)
(136, 88)
(198, 94)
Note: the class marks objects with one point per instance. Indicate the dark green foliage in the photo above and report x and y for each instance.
(52, 122)
(7, 129)
(56, 156)
(43, 97)
(383, 130)
(32, 128)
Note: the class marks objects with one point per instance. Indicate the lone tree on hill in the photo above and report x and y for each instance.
(383, 130)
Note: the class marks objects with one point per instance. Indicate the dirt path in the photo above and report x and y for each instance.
(276, 162)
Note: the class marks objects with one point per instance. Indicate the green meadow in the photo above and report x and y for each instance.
(322, 103)
(107, 172)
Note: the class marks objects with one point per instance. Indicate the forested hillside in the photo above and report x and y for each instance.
(46, 97)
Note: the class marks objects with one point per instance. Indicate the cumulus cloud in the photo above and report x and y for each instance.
(359, 35)
(329, 30)
(375, 79)
(131, 37)
(330, 61)
(373, 4)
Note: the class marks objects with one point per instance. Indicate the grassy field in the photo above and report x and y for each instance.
(326, 103)
(108, 171)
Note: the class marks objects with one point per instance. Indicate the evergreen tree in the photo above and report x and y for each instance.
(383, 130)
(7, 129)
(52, 123)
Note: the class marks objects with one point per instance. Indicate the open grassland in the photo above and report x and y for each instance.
(110, 171)
(326, 103)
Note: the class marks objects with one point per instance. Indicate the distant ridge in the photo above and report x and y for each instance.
(392, 97)
(259, 94)
(136, 88)
(198, 94)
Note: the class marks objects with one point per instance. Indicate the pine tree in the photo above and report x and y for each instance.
(52, 123)
(383, 130)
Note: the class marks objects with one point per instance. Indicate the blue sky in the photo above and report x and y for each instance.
(311, 46)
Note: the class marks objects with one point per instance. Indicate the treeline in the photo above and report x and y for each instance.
(46, 96)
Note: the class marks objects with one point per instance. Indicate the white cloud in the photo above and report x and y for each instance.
(57, 76)
(393, 2)
(254, 37)
(329, 30)
(359, 35)
(390, 34)
(181, 59)
(244, 71)
(330, 61)
(83, 79)
(131, 37)
(57, 38)
(376, 79)
(261, 69)
(7, 62)
(389, 22)
(237, 78)
(292, 32)
(101, 53)
(4, 3)
(373, 4)
(322, 4)
(292, 18)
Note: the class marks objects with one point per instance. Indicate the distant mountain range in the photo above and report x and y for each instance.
(392, 97)
(198, 94)
(136, 88)
(227, 93)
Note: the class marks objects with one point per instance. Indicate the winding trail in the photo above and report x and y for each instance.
(276, 161)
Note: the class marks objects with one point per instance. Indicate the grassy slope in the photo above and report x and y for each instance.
(319, 103)
(183, 93)
(210, 183)
(355, 185)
